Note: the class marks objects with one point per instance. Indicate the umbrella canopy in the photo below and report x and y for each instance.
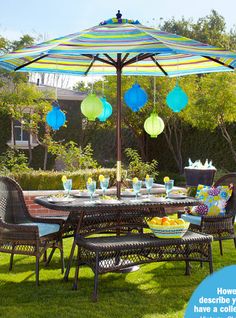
(144, 50)
(121, 46)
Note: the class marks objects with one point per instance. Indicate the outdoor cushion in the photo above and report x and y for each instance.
(44, 228)
(214, 200)
(194, 219)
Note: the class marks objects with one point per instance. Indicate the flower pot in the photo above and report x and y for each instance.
(194, 177)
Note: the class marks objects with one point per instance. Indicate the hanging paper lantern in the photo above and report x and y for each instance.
(177, 99)
(135, 97)
(91, 107)
(55, 118)
(107, 110)
(154, 125)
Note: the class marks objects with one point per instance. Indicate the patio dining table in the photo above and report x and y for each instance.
(96, 217)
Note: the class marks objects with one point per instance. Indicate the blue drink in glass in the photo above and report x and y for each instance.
(169, 186)
(104, 185)
(91, 187)
(149, 184)
(67, 186)
(137, 187)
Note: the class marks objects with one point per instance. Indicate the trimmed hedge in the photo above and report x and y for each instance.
(51, 180)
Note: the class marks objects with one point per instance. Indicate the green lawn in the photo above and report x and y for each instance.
(156, 290)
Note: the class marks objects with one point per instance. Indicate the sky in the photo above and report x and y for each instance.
(52, 18)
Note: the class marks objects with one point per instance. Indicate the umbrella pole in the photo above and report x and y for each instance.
(118, 126)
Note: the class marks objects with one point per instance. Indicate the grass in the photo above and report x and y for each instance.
(156, 290)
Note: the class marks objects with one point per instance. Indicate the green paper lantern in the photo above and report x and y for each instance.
(91, 107)
(154, 125)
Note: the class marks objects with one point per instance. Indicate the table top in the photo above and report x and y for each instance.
(83, 204)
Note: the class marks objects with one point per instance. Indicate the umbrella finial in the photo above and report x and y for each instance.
(118, 15)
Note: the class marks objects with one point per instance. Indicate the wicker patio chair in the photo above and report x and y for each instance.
(221, 227)
(20, 233)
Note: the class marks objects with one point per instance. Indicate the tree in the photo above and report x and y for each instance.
(134, 120)
(25, 103)
(215, 105)
(210, 29)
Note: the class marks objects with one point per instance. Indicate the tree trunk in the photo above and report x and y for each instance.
(141, 141)
(228, 138)
(30, 149)
(45, 160)
(13, 133)
(174, 136)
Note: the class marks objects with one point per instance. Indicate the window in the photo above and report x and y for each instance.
(20, 134)
(21, 137)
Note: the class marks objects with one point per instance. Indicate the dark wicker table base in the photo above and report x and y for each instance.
(112, 253)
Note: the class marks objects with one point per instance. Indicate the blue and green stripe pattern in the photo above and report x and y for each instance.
(87, 52)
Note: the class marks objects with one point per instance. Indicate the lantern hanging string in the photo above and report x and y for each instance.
(93, 78)
(136, 67)
(154, 96)
(177, 77)
(56, 79)
(103, 85)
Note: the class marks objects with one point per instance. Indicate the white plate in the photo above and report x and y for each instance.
(128, 193)
(177, 196)
(60, 200)
(91, 202)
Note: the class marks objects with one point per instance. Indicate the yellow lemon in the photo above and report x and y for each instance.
(180, 221)
(166, 179)
(90, 180)
(135, 180)
(101, 178)
(147, 176)
(64, 178)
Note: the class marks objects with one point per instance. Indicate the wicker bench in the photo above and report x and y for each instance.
(111, 253)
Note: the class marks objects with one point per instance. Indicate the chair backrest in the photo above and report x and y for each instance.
(227, 180)
(12, 204)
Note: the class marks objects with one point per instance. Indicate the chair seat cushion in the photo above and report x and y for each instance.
(192, 219)
(44, 228)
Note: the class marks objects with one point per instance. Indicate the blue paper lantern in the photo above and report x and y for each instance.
(107, 110)
(177, 99)
(136, 97)
(55, 118)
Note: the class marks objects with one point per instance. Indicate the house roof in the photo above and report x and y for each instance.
(64, 94)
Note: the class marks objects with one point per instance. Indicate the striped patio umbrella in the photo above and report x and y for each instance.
(121, 46)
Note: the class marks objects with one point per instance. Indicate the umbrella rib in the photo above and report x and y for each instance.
(109, 58)
(124, 58)
(28, 63)
(133, 59)
(217, 61)
(99, 59)
(91, 64)
(137, 58)
(158, 65)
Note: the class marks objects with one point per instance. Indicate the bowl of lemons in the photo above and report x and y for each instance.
(168, 228)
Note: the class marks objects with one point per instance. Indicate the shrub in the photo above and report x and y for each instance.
(13, 161)
(51, 180)
(139, 168)
(73, 156)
